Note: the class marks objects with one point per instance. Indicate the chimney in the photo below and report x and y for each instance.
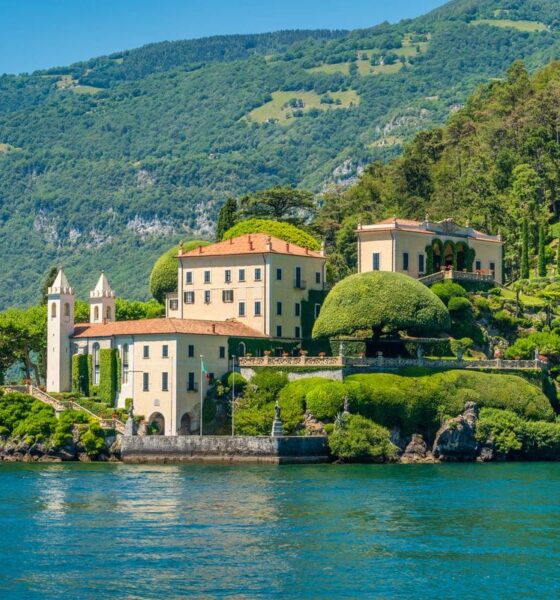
(287, 246)
(231, 241)
(269, 244)
(213, 327)
(307, 251)
(251, 244)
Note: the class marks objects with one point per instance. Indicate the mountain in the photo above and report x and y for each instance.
(105, 163)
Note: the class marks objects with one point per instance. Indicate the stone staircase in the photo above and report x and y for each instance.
(61, 406)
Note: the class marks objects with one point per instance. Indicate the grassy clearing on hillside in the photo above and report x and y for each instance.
(279, 108)
(343, 68)
(526, 300)
(390, 140)
(5, 148)
(67, 82)
(527, 26)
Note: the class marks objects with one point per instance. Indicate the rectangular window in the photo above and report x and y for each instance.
(318, 277)
(279, 308)
(188, 297)
(206, 276)
(191, 351)
(146, 352)
(190, 382)
(227, 295)
(492, 267)
(242, 309)
(145, 382)
(405, 261)
(298, 332)
(207, 296)
(478, 265)
(257, 308)
(165, 351)
(173, 304)
(278, 274)
(298, 309)
(241, 274)
(258, 274)
(222, 351)
(376, 261)
(165, 381)
(227, 277)
(421, 265)
(188, 278)
(317, 310)
(278, 330)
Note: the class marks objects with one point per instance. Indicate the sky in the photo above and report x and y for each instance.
(38, 34)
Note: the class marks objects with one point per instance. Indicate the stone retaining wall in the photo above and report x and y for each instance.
(335, 374)
(239, 449)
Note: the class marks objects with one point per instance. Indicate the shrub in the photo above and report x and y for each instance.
(269, 383)
(284, 231)
(93, 439)
(541, 440)
(461, 345)
(502, 427)
(361, 438)
(482, 304)
(447, 290)
(505, 321)
(163, 278)
(326, 400)
(380, 302)
(459, 306)
(547, 343)
(292, 401)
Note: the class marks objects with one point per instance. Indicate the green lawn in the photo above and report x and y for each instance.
(278, 109)
(528, 26)
(66, 82)
(527, 300)
(343, 68)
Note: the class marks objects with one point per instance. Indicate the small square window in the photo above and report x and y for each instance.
(206, 276)
(241, 274)
(146, 352)
(227, 296)
(258, 274)
(165, 351)
(188, 297)
(173, 304)
(222, 351)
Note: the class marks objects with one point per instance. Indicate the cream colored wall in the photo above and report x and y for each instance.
(368, 243)
(269, 291)
(59, 353)
(415, 244)
(284, 291)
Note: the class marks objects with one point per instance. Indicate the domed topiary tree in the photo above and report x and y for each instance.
(284, 231)
(163, 278)
(372, 304)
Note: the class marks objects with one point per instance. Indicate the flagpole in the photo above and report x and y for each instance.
(201, 396)
(233, 396)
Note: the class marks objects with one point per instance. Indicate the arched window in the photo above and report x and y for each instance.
(66, 309)
(108, 313)
(53, 310)
(96, 313)
(95, 361)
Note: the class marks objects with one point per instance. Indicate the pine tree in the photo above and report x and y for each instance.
(227, 218)
(541, 264)
(525, 250)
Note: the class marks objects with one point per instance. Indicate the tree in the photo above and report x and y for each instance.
(227, 218)
(541, 268)
(47, 283)
(376, 303)
(280, 204)
(558, 258)
(355, 436)
(525, 250)
(163, 278)
(284, 231)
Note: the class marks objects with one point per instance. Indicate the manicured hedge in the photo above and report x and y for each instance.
(284, 231)
(108, 374)
(80, 374)
(380, 302)
(358, 437)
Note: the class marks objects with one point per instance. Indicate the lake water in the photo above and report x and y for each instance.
(330, 531)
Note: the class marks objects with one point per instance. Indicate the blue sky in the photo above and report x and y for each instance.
(37, 34)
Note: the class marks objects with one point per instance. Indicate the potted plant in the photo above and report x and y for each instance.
(285, 354)
(267, 352)
(303, 352)
(322, 354)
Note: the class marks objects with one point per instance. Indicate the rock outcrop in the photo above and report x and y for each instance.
(18, 450)
(455, 440)
(313, 426)
(417, 451)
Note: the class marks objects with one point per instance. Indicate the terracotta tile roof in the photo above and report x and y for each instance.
(432, 228)
(252, 243)
(161, 326)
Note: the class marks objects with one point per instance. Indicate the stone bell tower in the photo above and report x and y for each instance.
(60, 328)
(102, 302)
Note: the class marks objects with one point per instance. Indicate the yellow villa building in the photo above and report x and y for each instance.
(429, 248)
(254, 292)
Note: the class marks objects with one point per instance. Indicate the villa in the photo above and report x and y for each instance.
(436, 249)
(253, 292)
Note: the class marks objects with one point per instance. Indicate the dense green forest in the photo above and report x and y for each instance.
(104, 164)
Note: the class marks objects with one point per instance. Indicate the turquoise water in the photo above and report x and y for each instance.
(430, 531)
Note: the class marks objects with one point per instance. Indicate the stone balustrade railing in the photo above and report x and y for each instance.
(382, 363)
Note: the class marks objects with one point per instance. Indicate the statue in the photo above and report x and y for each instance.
(277, 430)
(130, 425)
(346, 405)
(277, 410)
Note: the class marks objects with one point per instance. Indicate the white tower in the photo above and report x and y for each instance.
(60, 328)
(102, 302)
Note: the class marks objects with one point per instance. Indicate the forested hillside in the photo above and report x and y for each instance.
(105, 163)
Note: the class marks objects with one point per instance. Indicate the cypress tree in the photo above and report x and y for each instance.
(525, 250)
(541, 266)
(558, 258)
(227, 218)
